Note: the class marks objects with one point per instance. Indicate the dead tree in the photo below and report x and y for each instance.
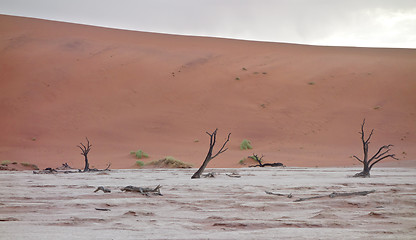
(84, 151)
(367, 162)
(210, 156)
(261, 164)
(258, 160)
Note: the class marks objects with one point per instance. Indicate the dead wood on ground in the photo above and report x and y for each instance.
(102, 209)
(280, 194)
(261, 164)
(234, 175)
(335, 194)
(143, 190)
(209, 175)
(65, 168)
(101, 188)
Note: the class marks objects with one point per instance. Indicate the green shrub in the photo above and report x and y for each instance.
(140, 154)
(242, 161)
(5, 162)
(245, 144)
(140, 163)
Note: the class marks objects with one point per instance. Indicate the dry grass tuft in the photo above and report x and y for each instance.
(169, 162)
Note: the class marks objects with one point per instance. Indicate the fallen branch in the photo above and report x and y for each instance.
(65, 168)
(102, 209)
(280, 194)
(99, 170)
(105, 190)
(335, 194)
(145, 191)
(269, 165)
(55, 171)
(363, 193)
(261, 164)
(209, 175)
(234, 175)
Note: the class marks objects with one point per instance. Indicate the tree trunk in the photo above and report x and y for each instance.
(87, 165)
(364, 174)
(201, 169)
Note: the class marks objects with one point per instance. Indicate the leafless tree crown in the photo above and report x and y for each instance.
(84, 151)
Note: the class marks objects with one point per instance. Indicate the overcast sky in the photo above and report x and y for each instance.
(367, 23)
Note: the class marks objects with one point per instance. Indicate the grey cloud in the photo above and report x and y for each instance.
(297, 21)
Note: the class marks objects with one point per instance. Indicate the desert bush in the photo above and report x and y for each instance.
(169, 162)
(140, 163)
(5, 162)
(245, 144)
(242, 161)
(25, 164)
(140, 154)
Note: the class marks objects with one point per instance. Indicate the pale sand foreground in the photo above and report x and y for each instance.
(63, 206)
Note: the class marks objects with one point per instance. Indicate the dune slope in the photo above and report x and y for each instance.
(126, 90)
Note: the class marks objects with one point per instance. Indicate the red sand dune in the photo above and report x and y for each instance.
(126, 90)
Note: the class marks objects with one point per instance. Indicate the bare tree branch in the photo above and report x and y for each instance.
(222, 148)
(387, 156)
(378, 154)
(358, 159)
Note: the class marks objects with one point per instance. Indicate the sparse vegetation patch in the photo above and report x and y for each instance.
(140, 163)
(245, 145)
(25, 164)
(169, 162)
(139, 154)
(5, 162)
